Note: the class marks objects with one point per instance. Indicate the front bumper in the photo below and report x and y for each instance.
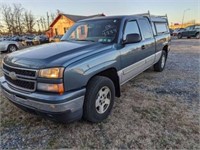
(65, 108)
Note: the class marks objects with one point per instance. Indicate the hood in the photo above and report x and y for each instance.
(53, 55)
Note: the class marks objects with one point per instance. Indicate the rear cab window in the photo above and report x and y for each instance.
(161, 27)
(146, 28)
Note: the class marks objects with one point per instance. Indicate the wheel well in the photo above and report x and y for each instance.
(112, 75)
(197, 33)
(165, 48)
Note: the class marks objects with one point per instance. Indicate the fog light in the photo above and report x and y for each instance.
(58, 88)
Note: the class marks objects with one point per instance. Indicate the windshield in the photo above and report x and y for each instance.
(105, 31)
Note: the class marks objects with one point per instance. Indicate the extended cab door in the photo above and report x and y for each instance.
(133, 55)
(148, 41)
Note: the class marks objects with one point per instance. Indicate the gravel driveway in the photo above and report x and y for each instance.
(155, 111)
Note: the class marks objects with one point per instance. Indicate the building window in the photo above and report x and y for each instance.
(65, 29)
(82, 30)
(56, 31)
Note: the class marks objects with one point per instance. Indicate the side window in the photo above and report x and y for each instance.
(161, 27)
(145, 28)
(131, 27)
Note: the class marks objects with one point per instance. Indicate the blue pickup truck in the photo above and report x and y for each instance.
(80, 76)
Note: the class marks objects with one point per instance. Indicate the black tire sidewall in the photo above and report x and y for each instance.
(158, 66)
(197, 36)
(93, 88)
(10, 47)
(179, 36)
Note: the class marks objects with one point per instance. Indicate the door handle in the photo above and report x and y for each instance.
(143, 47)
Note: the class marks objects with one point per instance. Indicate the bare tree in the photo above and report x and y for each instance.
(52, 17)
(7, 17)
(17, 14)
(12, 17)
(29, 21)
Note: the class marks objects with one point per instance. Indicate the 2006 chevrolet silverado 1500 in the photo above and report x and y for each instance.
(80, 76)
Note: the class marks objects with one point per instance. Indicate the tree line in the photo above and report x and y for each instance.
(18, 20)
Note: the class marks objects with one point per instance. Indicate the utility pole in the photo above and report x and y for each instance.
(184, 16)
(48, 19)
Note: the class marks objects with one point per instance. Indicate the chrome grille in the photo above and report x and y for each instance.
(25, 78)
(21, 72)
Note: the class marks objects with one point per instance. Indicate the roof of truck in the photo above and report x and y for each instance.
(153, 18)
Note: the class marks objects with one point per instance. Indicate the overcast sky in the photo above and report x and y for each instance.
(174, 8)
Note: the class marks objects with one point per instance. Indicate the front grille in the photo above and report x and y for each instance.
(22, 72)
(25, 78)
(21, 84)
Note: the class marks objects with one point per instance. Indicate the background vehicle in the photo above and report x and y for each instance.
(191, 31)
(56, 38)
(28, 40)
(171, 32)
(80, 76)
(9, 46)
(176, 31)
(41, 39)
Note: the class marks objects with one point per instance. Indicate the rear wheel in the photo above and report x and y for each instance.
(12, 48)
(197, 36)
(99, 99)
(160, 65)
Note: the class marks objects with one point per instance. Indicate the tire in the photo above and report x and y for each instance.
(12, 48)
(98, 104)
(197, 36)
(179, 36)
(160, 65)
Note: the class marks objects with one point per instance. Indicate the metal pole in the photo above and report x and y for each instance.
(184, 16)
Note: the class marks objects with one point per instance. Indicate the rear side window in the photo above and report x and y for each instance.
(161, 27)
(145, 28)
(131, 27)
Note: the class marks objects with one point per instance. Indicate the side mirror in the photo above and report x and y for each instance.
(132, 38)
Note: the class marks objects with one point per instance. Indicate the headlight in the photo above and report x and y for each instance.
(54, 73)
(58, 88)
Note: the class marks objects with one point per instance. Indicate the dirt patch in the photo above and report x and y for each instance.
(155, 111)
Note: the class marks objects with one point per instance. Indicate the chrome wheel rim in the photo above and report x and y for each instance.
(163, 61)
(12, 48)
(103, 100)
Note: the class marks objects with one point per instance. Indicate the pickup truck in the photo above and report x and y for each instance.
(80, 76)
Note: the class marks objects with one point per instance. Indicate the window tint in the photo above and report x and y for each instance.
(131, 27)
(197, 27)
(145, 28)
(189, 28)
(161, 27)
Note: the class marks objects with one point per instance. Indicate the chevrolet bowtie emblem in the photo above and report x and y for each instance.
(13, 75)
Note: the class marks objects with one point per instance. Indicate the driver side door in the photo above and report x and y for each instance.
(132, 54)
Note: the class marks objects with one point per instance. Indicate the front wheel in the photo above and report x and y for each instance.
(160, 65)
(12, 48)
(99, 99)
(179, 36)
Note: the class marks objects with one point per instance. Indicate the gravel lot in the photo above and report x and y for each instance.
(155, 111)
